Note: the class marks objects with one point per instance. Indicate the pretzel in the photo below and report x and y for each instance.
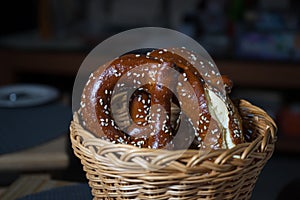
(151, 121)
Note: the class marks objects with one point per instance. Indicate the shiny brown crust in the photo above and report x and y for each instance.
(97, 96)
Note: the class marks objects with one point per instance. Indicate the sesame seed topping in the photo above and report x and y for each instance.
(193, 57)
(82, 104)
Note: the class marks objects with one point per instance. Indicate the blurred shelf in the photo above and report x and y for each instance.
(242, 72)
(270, 74)
(52, 62)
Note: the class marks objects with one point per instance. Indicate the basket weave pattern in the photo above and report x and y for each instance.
(118, 171)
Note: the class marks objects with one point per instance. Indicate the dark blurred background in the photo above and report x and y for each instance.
(255, 42)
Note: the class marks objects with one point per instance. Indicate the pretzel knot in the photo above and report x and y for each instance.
(161, 100)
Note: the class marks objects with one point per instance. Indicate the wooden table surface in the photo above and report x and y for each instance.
(30, 184)
(48, 156)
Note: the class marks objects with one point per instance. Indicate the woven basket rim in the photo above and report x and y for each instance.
(269, 135)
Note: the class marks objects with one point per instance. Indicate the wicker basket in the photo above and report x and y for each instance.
(117, 171)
